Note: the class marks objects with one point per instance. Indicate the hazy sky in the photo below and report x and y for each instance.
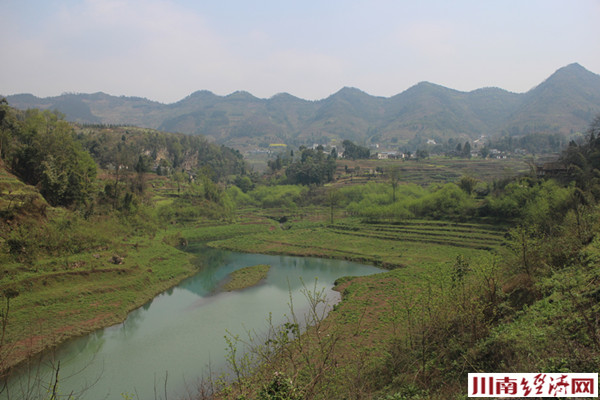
(165, 50)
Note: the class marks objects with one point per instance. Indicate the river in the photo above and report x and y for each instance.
(179, 335)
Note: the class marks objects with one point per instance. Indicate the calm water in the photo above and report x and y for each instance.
(178, 334)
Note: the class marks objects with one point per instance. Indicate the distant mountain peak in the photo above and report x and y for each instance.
(571, 70)
(428, 87)
(241, 95)
(574, 66)
(427, 84)
(281, 95)
(570, 76)
(284, 96)
(202, 93)
(350, 92)
(350, 89)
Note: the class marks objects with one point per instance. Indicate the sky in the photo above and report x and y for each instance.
(165, 50)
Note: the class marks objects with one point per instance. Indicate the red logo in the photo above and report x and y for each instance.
(533, 385)
(582, 385)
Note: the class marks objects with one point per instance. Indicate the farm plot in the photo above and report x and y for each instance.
(477, 236)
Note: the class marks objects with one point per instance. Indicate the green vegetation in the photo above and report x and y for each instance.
(385, 245)
(488, 270)
(355, 152)
(246, 277)
(416, 331)
(44, 153)
(314, 167)
(144, 150)
(86, 244)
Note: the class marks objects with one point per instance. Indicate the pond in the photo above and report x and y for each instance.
(179, 335)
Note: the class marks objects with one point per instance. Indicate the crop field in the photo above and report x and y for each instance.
(416, 242)
(430, 171)
(476, 236)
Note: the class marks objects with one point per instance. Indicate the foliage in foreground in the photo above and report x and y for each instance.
(416, 332)
(410, 334)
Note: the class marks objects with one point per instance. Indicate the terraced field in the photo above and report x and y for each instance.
(430, 171)
(476, 236)
(414, 242)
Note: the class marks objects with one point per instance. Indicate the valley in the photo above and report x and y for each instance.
(485, 264)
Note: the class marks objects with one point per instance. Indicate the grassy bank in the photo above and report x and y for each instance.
(64, 297)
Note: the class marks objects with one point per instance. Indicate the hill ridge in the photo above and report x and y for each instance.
(564, 103)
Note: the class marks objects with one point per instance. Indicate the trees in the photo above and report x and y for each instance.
(484, 152)
(48, 156)
(275, 165)
(7, 123)
(462, 150)
(333, 198)
(312, 168)
(467, 150)
(583, 161)
(467, 183)
(354, 152)
(160, 151)
(244, 183)
(394, 176)
(421, 154)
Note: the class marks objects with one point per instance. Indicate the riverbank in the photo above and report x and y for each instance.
(59, 298)
(182, 330)
(58, 301)
(100, 293)
(352, 351)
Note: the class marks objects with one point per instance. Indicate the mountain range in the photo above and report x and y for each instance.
(565, 103)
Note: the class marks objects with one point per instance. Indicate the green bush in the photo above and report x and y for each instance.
(283, 196)
(280, 388)
(447, 202)
(239, 197)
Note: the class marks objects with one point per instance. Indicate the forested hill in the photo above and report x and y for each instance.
(61, 159)
(564, 103)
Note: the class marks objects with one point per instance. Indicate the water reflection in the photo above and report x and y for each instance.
(208, 261)
(181, 330)
(215, 265)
